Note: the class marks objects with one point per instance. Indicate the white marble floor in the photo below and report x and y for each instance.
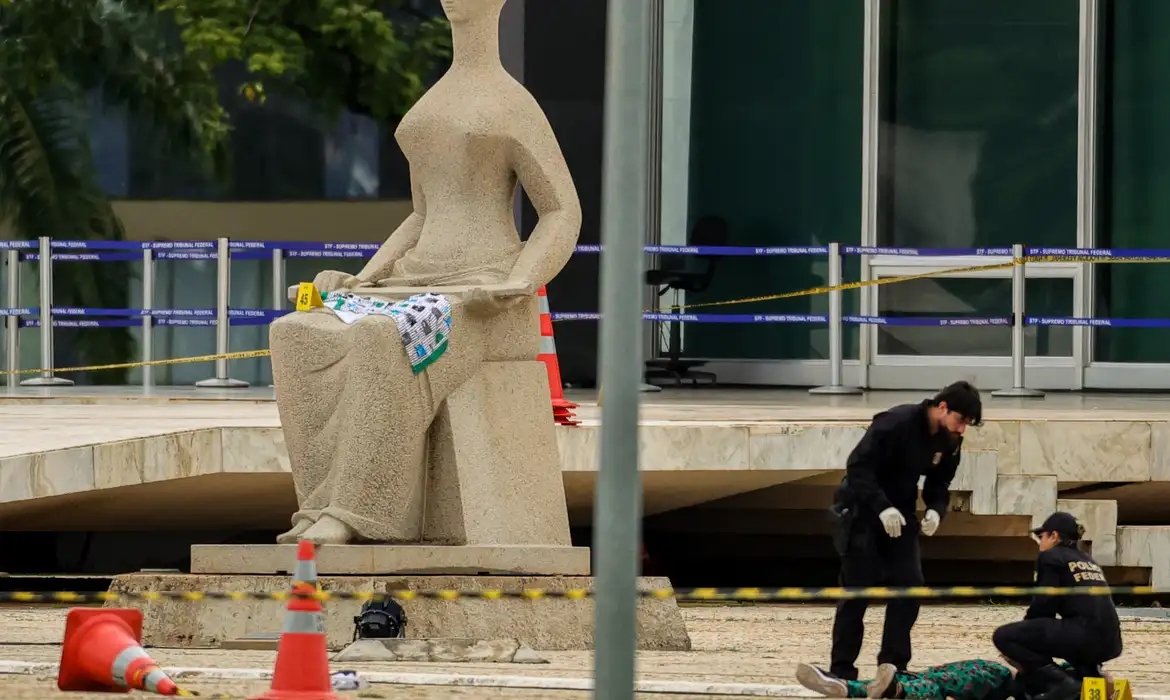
(41, 419)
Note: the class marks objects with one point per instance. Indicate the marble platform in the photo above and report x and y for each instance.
(375, 560)
(546, 624)
(728, 464)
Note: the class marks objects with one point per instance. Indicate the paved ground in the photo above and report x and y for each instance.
(760, 644)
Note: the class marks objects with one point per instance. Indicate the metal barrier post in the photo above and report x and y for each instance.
(223, 267)
(147, 320)
(279, 287)
(1019, 282)
(12, 323)
(836, 331)
(45, 285)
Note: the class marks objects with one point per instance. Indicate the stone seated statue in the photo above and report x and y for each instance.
(380, 452)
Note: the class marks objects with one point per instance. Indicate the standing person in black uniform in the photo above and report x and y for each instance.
(876, 530)
(1087, 632)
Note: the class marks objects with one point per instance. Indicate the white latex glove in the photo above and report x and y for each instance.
(930, 523)
(892, 521)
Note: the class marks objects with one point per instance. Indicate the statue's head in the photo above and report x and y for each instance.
(459, 11)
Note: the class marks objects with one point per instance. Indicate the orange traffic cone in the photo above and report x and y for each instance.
(561, 407)
(302, 661)
(103, 652)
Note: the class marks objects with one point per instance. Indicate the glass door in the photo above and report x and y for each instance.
(977, 137)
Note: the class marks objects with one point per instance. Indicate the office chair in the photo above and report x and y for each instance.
(672, 274)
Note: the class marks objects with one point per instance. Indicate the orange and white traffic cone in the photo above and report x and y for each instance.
(302, 659)
(561, 407)
(103, 653)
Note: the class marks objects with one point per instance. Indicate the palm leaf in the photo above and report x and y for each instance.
(47, 188)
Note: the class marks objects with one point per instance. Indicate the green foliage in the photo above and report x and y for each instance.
(160, 58)
(336, 53)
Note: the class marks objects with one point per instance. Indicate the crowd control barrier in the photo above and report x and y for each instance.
(45, 252)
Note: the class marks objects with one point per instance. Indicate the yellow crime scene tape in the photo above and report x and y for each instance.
(309, 298)
(239, 355)
(678, 594)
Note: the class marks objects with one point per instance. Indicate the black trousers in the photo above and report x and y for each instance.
(873, 558)
(1033, 644)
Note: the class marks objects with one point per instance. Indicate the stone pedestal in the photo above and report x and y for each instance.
(383, 560)
(547, 624)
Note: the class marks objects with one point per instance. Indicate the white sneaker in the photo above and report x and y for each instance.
(882, 680)
(818, 681)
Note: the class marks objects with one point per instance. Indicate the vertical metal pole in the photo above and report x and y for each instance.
(45, 286)
(836, 332)
(617, 509)
(12, 323)
(147, 321)
(280, 290)
(223, 275)
(653, 231)
(1019, 286)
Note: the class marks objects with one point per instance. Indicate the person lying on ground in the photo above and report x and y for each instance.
(971, 679)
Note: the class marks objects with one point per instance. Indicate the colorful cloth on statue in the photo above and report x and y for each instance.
(974, 679)
(423, 320)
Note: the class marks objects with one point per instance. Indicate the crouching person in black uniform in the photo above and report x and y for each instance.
(876, 529)
(1087, 632)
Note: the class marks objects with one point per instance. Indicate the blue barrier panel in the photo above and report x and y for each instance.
(20, 311)
(159, 313)
(1097, 322)
(927, 321)
(98, 256)
(1101, 252)
(18, 245)
(99, 244)
(923, 252)
(700, 318)
(184, 255)
(719, 250)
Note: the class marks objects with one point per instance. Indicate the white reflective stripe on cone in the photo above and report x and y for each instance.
(153, 679)
(122, 663)
(547, 345)
(543, 303)
(306, 572)
(299, 622)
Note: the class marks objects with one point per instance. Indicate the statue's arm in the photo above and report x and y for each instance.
(543, 173)
(403, 239)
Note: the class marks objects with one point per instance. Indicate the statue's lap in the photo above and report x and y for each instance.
(512, 334)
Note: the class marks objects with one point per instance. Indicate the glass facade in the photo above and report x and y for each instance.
(775, 150)
(1135, 176)
(978, 143)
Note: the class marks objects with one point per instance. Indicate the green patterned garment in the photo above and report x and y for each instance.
(974, 679)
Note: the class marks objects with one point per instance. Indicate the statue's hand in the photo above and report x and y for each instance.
(493, 299)
(334, 280)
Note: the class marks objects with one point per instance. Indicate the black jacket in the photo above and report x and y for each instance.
(1067, 567)
(898, 448)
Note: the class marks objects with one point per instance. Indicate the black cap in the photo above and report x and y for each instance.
(1063, 524)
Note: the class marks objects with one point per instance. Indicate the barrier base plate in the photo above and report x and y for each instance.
(217, 383)
(1018, 392)
(838, 390)
(47, 381)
